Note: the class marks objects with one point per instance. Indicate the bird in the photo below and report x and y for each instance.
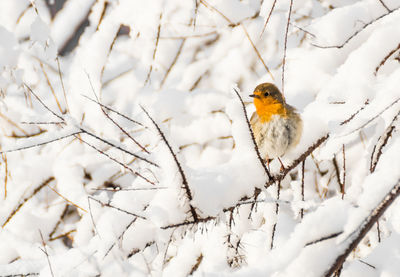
(277, 126)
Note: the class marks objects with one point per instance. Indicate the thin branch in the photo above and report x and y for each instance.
(278, 195)
(284, 49)
(381, 143)
(344, 171)
(116, 208)
(185, 223)
(356, 237)
(116, 123)
(115, 160)
(384, 5)
(66, 199)
(62, 82)
(118, 147)
(375, 117)
(257, 52)
(40, 144)
(268, 17)
(331, 236)
(43, 104)
(357, 32)
(386, 58)
(252, 136)
(50, 86)
(354, 114)
(35, 191)
(120, 236)
(154, 51)
(178, 53)
(302, 188)
(114, 111)
(46, 253)
(183, 176)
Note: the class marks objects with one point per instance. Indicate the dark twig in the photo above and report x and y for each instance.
(354, 114)
(178, 53)
(116, 123)
(331, 236)
(118, 147)
(40, 144)
(278, 195)
(296, 162)
(357, 32)
(384, 5)
(185, 223)
(252, 137)
(371, 266)
(302, 188)
(356, 237)
(378, 230)
(115, 160)
(46, 253)
(154, 51)
(180, 169)
(285, 47)
(344, 171)
(35, 191)
(62, 82)
(268, 17)
(116, 208)
(375, 117)
(381, 143)
(114, 111)
(386, 58)
(120, 236)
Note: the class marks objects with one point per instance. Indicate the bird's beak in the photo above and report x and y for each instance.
(254, 96)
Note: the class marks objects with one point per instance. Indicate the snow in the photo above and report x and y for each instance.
(107, 212)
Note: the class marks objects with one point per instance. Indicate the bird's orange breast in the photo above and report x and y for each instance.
(267, 107)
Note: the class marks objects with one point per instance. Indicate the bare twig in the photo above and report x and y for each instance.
(375, 117)
(197, 264)
(180, 169)
(120, 236)
(357, 32)
(185, 223)
(386, 58)
(252, 136)
(50, 86)
(284, 49)
(62, 83)
(40, 144)
(268, 17)
(354, 114)
(116, 208)
(381, 143)
(384, 5)
(344, 171)
(331, 236)
(178, 53)
(114, 111)
(355, 238)
(154, 51)
(115, 160)
(278, 196)
(302, 188)
(46, 253)
(35, 191)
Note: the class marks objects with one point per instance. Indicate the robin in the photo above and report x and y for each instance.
(277, 127)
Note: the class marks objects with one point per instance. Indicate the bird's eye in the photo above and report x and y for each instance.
(266, 94)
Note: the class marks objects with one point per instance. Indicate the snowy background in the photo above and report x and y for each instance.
(94, 190)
